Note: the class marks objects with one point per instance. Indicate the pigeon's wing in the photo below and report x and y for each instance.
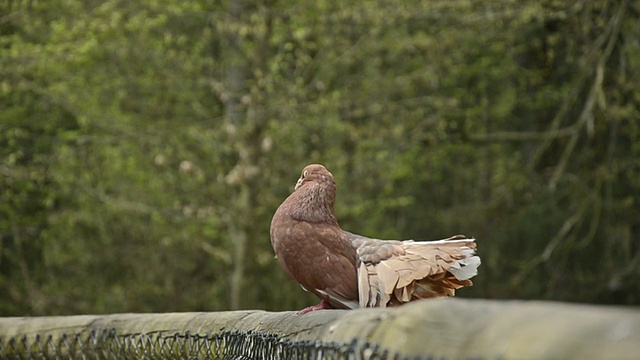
(320, 259)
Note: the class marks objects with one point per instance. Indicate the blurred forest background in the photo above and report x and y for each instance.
(144, 145)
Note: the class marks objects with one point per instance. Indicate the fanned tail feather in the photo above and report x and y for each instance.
(417, 270)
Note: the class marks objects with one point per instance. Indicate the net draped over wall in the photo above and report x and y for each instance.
(430, 329)
(107, 344)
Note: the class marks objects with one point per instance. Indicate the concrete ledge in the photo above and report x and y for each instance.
(442, 328)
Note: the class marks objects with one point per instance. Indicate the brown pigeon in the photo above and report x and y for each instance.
(348, 271)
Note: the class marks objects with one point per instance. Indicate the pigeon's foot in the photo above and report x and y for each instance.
(322, 306)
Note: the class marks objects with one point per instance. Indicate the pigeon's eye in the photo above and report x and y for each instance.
(305, 173)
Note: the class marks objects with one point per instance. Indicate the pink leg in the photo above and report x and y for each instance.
(323, 305)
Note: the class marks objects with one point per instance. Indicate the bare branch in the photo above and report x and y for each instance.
(501, 136)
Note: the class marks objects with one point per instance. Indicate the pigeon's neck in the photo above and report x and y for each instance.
(317, 204)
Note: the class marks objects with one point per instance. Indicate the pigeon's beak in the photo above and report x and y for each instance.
(298, 183)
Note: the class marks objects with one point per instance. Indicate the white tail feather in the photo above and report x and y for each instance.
(466, 268)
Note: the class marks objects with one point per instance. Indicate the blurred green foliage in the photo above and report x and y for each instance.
(144, 146)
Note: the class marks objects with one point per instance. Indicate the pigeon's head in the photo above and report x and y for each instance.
(315, 173)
